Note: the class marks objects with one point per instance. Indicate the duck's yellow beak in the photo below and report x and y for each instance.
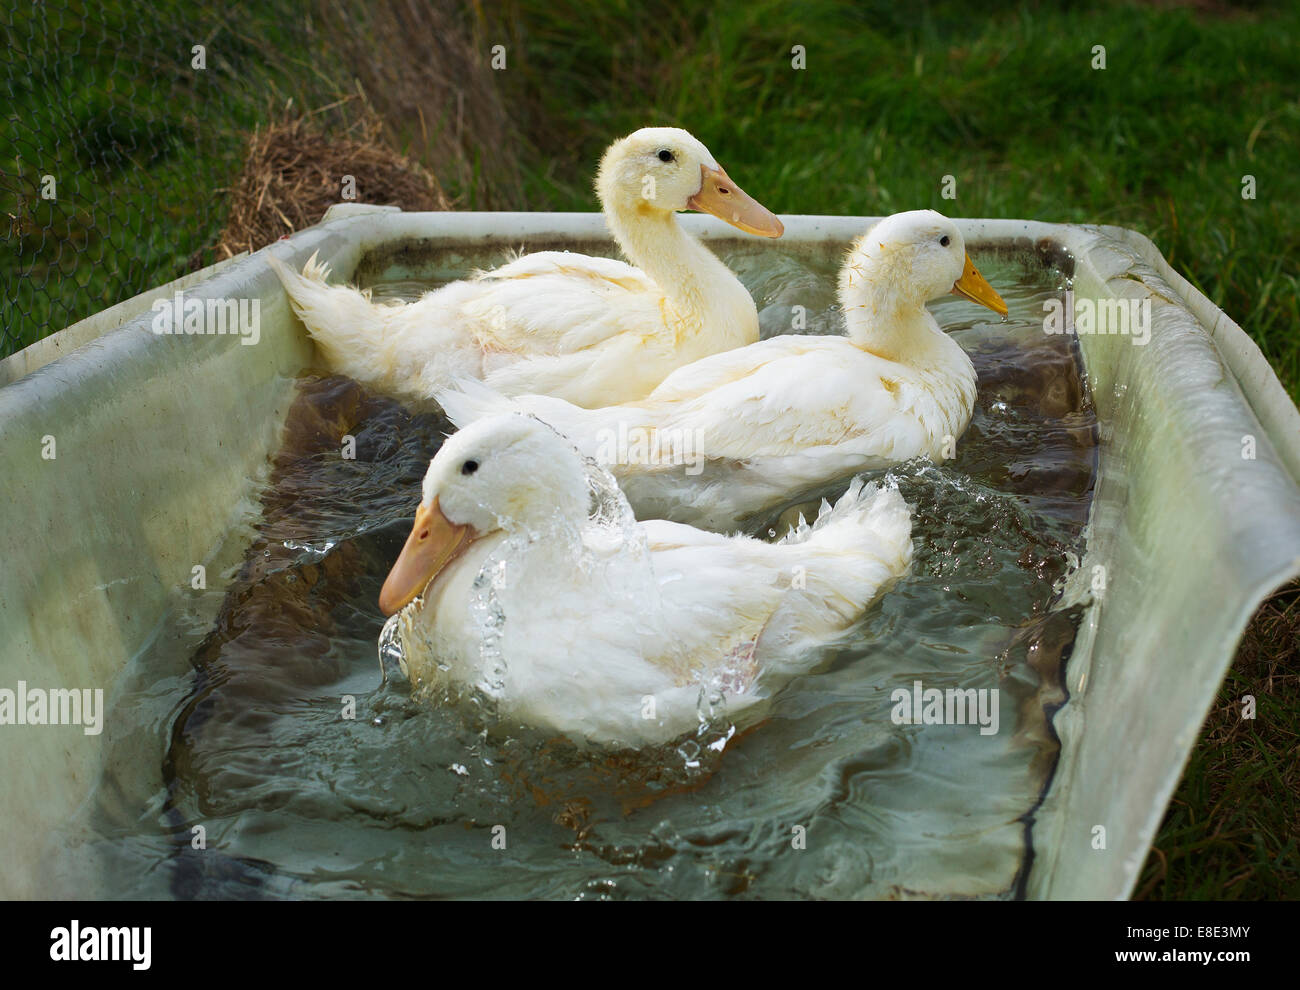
(973, 286)
(434, 543)
(725, 200)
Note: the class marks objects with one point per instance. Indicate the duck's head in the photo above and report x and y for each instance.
(914, 257)
(506, 472)
(665, 169)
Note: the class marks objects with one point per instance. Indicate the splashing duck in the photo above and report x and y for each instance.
(526, 579)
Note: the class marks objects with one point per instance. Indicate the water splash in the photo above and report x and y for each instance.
(390, 647)
(489, 617)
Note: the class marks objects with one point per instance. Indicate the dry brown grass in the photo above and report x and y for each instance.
(424, 67)
(293, 172)
(402, 89)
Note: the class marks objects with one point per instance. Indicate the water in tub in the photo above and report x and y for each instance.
(254, 752)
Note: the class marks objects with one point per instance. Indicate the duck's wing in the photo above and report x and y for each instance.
(664, 537)
(773, 604)
(714, 591)
(622, 367)
(570, 265)
(554, 302)
(789, 395)
(726, 577)
(849, 556)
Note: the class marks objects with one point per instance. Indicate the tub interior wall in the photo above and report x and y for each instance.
(122, 468)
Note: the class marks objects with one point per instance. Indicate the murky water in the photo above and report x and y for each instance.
(256, 783)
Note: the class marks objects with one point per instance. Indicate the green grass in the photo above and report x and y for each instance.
(116, 148)
(1232, 831)
(104, 98)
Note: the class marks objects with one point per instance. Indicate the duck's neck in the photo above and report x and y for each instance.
(897, 328)
(702, 295)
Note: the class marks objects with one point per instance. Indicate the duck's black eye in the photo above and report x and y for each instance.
(469, 467)
(945, 240)
(666, 156)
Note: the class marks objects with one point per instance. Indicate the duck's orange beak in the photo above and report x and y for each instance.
(434, 543)
(973, 286)
(722, 198)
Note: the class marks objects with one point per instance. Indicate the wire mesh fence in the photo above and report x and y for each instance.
(130, 129)
(109, 170)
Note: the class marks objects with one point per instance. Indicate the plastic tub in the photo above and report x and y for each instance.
(159, 440)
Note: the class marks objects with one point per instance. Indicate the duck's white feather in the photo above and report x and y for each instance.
(615, 632)
(770, 420)
(591, 330)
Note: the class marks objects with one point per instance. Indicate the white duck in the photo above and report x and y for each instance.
(603, 628)
(739, 433)
(593, 331)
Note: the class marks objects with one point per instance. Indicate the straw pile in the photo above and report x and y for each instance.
(293, 173)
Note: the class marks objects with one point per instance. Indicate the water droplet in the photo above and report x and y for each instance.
(390, 646)
(719, 744)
